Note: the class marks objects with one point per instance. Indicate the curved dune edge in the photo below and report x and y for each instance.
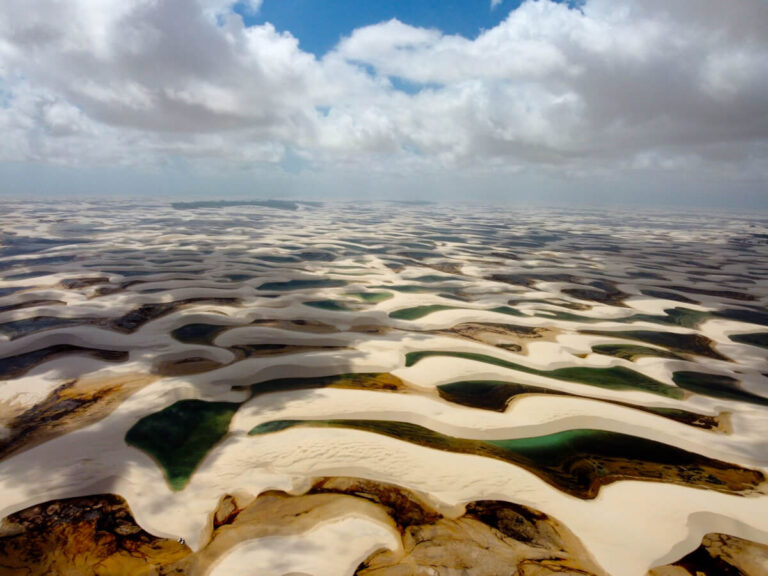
(98, 535)
(70, 406)
(719, 554)
(86, 535)
(167, 435)
(577, 461)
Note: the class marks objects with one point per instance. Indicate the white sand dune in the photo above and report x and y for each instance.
(538, 269)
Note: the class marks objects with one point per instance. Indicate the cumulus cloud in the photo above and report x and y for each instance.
(615, 84)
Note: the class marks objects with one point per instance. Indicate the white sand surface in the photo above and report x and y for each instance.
(629, 527)
(329, 549)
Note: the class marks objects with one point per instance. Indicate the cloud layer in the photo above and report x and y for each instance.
(613, 85)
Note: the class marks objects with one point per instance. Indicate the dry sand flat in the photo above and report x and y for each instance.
(256, 350)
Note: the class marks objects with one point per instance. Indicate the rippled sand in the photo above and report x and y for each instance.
(381, 389)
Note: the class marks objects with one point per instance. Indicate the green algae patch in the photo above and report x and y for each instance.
(371, 297)
(198, 333)
(577, 462)
(759, 339)
(507, 310)
(179, 436)
(716, 386)
(302, 285)
(486, 394)
(496, 395)
(331, 305)
(419, 311)
(566, 316)
(683, 317)
(675, 343)
(613, 378)
(409, 288)
(632, 352)
(744, 315)
(666, 295)
(273, 426)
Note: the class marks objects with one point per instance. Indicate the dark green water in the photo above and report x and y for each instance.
(613, 378)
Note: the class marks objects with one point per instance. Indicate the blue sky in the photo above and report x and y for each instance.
(319, 25)
(616, 101)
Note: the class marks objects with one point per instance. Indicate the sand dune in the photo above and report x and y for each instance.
(442, 356)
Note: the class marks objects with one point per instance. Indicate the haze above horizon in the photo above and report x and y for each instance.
(622, 102)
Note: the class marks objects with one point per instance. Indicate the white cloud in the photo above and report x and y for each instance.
(615, 84)
(495, 3)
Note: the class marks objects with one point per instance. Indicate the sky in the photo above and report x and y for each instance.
(647, 102)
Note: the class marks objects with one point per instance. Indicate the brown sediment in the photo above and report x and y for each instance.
(20, 364)
(406, 508)
(198, 364)
(606, 294)
(303, 325)
(725, 422)
(73, 405)
(371, 329)
(31, 304)
(377, 381)
(719, 555)
(78, 283)
(107, 290)
(505, 336)
(730, 294)
(272, 513)
(445, 267)
(128, 323)
(490, 538)
(263, 350)
(665, 295)
(185, 366)
(136, 318)
(95, 535)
